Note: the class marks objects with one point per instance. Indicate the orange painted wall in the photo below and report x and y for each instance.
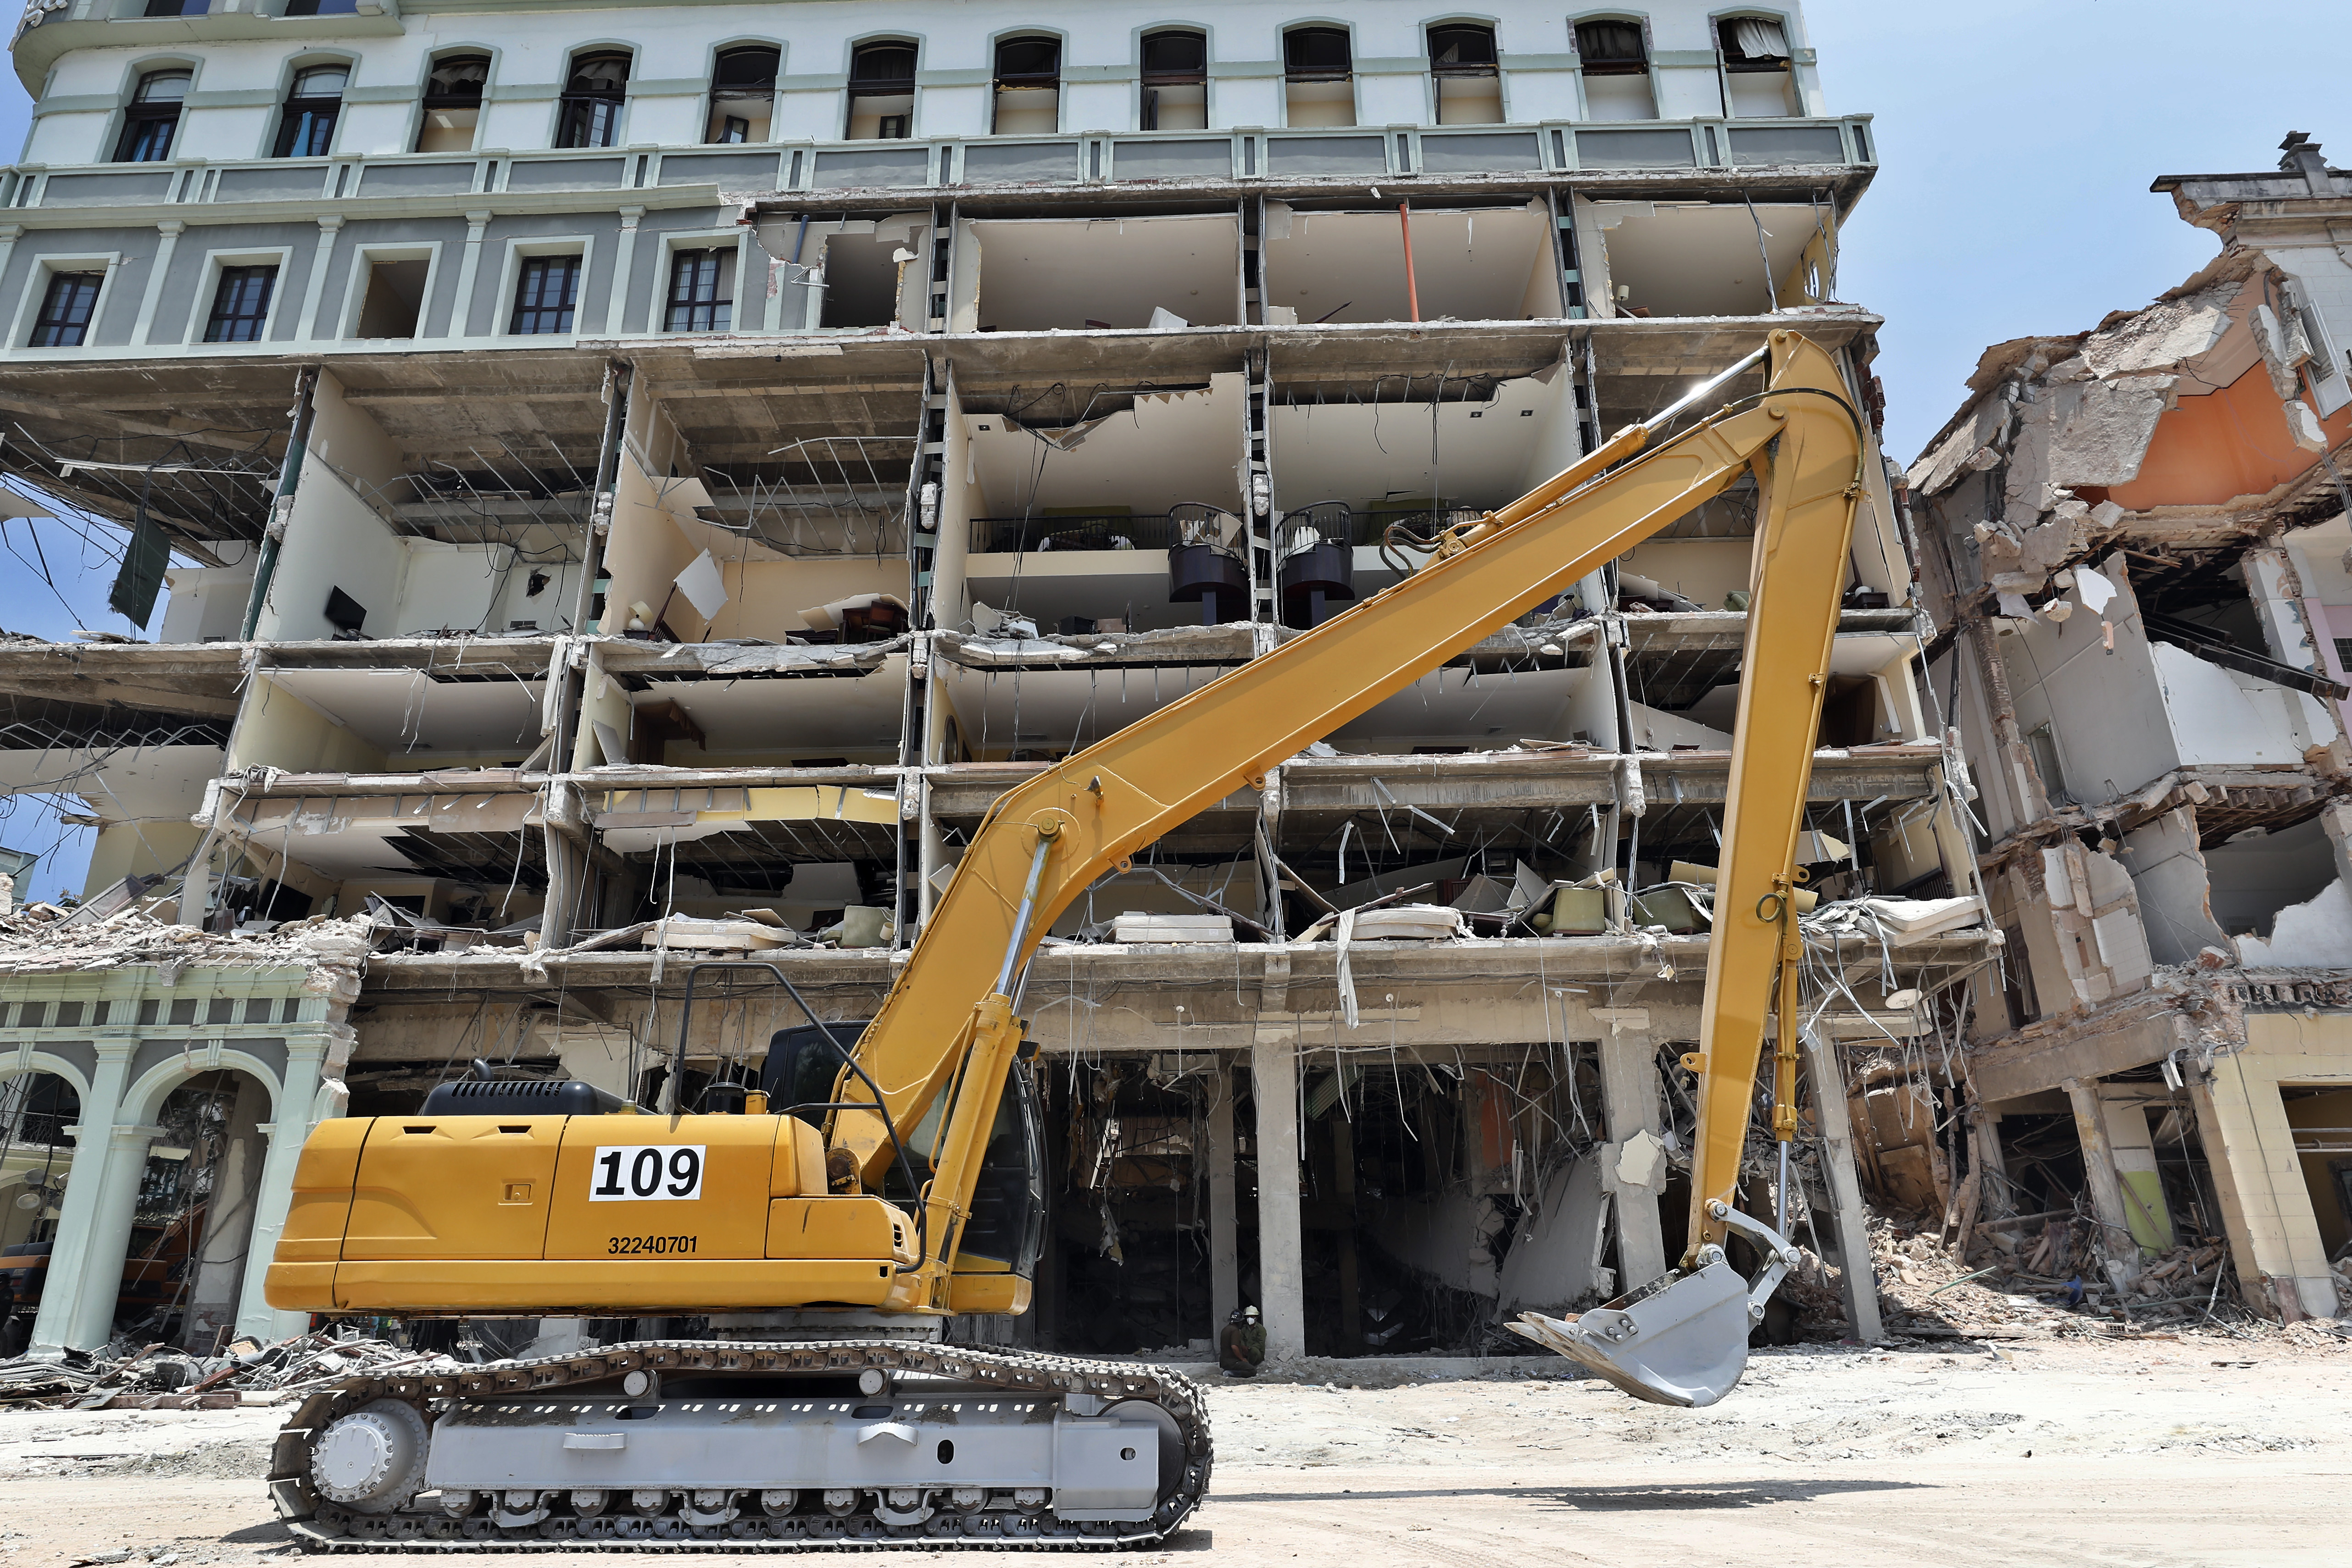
(2220, 446)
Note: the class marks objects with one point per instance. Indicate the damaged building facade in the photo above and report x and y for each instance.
(630, 500)
(2133, 545)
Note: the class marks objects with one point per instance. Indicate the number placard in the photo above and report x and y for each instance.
(645, 1173)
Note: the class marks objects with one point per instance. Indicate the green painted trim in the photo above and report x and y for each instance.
(814, 82)
(1232, 71)
(241, 97)
(979, 77)
(669, 87)
(1542, 63)
(76, 103)
(303, 217)
(1688, 58)
(522, 92)
(386, 94)
(1392, 65)
(1098, 73)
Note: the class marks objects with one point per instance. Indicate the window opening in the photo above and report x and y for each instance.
(1612, 48)
(1028, 86)
(179, 7)
(1462, 65)
(546, 294)
(1753, 43)
(453, 103)
(1615, 63)
(743, 94)
(241, 304)
(699, 297)
(593, 98)
(66, 308)
(1757, 80)
(881, 90)
(1175, 81)
(307, 126)
(2042, 741)
(1319, 77)
(394, 300)
(321, 7)
(152, 120)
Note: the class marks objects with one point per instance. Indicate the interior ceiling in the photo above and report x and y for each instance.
(1168, 448)
(1035, 275)
(1369, 453)
(1444, 707)
(1060, 707)
(1701, 258)
(1468, 266)
(384, 849)
(401, 710)
(136, 783)
(806, 715)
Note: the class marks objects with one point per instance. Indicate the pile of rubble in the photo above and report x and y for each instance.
(39, 936)
(156, 1377)
(2055, 1285)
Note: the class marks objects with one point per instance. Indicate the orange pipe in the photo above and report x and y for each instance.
(1412, 292)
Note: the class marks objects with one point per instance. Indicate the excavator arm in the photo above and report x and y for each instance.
(1049, 839)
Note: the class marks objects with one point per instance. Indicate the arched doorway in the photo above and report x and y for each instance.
(189, 1245)
(35, 1109)
(189, 1239)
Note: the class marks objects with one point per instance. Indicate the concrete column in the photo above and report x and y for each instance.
(92, 1323)
(2134, 1150)
(1858, 1276)
(1281, 1267)
(1224, 1244)
(221, 1257)
(289, 1126)
(314, 288)
(2113, 1241)
(2258, 1181)
(461, 304)
(1629, 1097)
(54, 1326)
(167, 241)
(624, 267)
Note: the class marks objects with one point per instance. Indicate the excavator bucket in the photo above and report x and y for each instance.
(1681, 1341)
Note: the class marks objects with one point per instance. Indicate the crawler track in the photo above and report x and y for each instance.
(323, 1526)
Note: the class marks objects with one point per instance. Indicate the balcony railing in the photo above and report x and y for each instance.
(1121, 530)
(1098, 160)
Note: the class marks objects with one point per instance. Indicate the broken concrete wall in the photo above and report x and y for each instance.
(1555, 1261)
(2258, 1178)
(2279, 895)
(2169, 870)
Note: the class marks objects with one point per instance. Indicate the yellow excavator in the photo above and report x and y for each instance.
(830, 1226)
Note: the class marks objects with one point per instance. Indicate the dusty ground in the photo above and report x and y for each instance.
(2202, 1450)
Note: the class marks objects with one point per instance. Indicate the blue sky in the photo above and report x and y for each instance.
(2017, 138)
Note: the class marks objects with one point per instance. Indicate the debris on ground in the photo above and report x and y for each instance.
(157, 1377)
(2055, 1284)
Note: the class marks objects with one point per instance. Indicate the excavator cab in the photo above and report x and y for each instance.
(1006, 1230)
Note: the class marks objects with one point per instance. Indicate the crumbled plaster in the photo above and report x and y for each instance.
(2316, 934)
